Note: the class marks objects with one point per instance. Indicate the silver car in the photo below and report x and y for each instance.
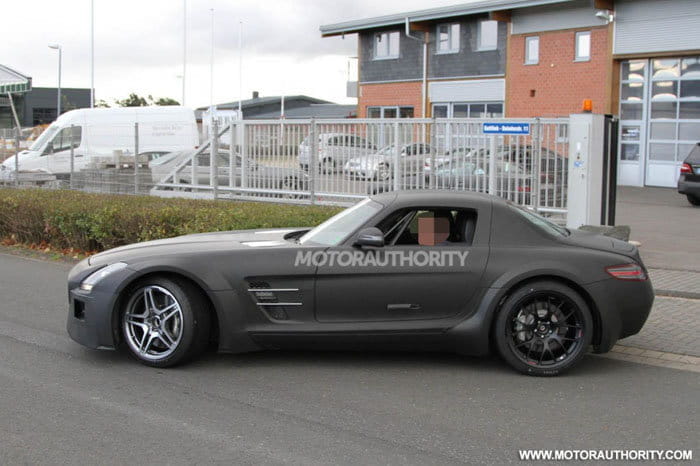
(334, 150)
(381, 165)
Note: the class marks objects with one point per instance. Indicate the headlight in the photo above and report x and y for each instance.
(95, 277)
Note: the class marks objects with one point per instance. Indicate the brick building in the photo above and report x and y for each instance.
(638, 59)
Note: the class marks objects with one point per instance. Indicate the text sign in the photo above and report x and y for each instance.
(506, 128)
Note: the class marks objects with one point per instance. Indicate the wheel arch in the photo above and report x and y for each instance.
(567, 281)
(215, 330)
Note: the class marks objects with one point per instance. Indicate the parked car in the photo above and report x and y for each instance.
(689, 179)
(334, 150)
(461, 272)
(259, 175)
(380, 166)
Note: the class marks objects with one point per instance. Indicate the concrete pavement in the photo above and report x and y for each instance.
(666, 225)
(62, 403)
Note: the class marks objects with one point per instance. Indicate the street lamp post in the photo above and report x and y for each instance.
(58, 99)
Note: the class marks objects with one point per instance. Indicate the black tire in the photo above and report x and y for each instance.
(694, 200)
(194, 316)
(328, 166)
(546, 317)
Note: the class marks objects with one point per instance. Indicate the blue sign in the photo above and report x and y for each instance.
(506, 128)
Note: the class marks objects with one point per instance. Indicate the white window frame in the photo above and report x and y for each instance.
(577, 52)
(452, 40)
(480, 46)
(386, 35)
(528, 41)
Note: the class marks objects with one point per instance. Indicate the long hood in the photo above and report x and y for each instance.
(198, 243)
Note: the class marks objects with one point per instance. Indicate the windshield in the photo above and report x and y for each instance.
(334, 230)
(45, 136)
(540, 221)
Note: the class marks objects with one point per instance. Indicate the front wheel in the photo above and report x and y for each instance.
(694, 200)
(544, 328)
(165, 321)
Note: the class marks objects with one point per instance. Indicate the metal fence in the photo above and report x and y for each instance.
(338, 162)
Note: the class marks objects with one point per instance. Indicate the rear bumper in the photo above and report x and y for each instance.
(686, 186)
(623, 308)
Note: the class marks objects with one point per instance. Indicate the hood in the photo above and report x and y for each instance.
(201, 242)
(600, 242)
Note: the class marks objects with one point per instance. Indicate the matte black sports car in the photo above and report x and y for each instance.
(421, 270)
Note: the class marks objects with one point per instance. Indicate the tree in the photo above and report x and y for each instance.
(102, 104)
(166, 101)
(135, 100)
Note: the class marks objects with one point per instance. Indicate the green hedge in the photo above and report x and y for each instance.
(94, 222)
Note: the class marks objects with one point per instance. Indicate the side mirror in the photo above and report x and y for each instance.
(370, 237)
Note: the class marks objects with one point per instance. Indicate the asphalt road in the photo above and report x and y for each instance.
(60, 403)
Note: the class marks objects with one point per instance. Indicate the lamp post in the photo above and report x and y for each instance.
(58, 99)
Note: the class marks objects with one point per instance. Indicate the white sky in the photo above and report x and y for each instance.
(138, 45)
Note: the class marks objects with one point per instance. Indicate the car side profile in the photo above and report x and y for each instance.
(405, 270)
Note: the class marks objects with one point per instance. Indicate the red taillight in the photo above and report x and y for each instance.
(686, 168)
(627, 272)
(523, 189)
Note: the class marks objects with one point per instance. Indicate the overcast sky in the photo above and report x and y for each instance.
(139, 43)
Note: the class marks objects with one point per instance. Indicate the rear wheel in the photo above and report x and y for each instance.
(693, 199)
(165, 321)
(544, 328)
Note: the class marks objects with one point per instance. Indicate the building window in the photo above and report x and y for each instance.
(448, 38)
(468, 110)
(43, 116)
(583, 46)
(532, 50)
(386, 45)
(488, 35)
(390, 112)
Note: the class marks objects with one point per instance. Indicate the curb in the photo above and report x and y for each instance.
(677, 294)
(654, 358)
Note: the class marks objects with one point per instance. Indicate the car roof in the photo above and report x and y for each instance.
(409, 198)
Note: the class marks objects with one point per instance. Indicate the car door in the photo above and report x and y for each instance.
(59, 150)
(399, 285)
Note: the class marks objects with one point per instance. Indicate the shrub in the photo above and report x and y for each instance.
(94, 222)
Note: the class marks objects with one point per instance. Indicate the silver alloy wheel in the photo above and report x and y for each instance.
(153, 323)
(383, 172)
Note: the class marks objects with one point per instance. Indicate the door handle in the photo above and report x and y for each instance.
(403, 307)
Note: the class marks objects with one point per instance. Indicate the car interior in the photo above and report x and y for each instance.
(401, 228)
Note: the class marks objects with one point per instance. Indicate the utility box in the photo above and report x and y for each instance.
(590, 187)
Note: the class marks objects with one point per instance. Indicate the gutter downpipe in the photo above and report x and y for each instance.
(425, 65)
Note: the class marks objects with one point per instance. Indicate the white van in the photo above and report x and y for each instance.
(99, 132)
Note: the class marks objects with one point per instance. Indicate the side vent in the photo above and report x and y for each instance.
(268, 301)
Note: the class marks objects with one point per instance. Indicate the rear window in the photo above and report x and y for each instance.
(539, 221)
(694, 156)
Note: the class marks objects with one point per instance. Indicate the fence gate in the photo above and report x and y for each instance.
(340, 161)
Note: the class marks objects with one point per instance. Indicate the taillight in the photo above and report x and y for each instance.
(686, 168)
(627, 272)
(523, 189)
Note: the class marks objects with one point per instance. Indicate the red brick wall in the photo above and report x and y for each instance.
(560, 83)
(401, 94)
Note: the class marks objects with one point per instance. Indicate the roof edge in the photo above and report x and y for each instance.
(464, 9)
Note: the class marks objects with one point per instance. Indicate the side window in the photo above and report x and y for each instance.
(63, 139)
(429, 227)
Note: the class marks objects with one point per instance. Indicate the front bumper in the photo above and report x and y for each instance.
(91, 314)
(623, 307)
